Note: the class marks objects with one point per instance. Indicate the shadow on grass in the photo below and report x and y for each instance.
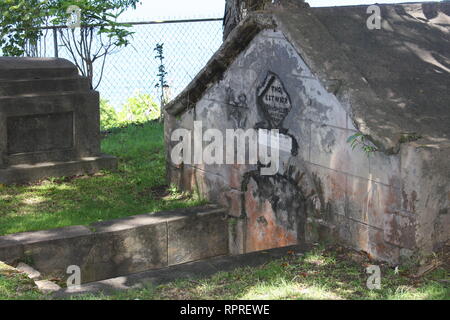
(332, 273)
(319, 274)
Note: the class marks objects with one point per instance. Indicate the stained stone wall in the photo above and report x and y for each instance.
(323, 189)
(49, 121)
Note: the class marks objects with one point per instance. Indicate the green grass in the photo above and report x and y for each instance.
(137, 187)
(323, 273)
(16, 286)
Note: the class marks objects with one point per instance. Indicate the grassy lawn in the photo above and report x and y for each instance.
(137, 187)
(15, 285)
(323, 273)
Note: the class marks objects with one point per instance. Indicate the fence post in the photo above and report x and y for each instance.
(55, 42)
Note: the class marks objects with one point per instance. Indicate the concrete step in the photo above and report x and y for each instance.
(30, 86)
(13, 68)
(17, 74)
(191, 270)
(123, 246)
(47, 102)
(24, 173)
(6, 100)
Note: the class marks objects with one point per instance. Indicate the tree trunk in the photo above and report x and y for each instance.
(236, 10)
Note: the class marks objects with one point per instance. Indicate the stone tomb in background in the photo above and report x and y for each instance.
(294, 69)
(49, 121)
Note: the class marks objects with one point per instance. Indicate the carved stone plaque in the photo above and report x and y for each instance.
(274, 100)
(38, 133)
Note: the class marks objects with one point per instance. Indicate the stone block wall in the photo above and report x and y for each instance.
(327, 189)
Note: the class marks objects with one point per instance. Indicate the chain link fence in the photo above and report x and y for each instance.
(188, 45)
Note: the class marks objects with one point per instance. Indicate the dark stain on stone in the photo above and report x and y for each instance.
(405, 200)
(288, 203)
(329, 141)
(324, 207)
(261, 220)
(413, 201)
(409, 203)
(237, 108)
(294, 150)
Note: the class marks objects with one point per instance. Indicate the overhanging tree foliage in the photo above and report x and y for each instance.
(20, 22)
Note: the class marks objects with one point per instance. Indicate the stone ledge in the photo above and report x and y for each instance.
(191, 270)
(23, 87)
(123, 246)
(35, 68)
(26, 238)
(29, 173)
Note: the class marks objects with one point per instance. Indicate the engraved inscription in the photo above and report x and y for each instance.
(274, 100)
(38, 133)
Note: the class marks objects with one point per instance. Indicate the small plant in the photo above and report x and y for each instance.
(162, 84)
(232, 221)
(359, 139)
(173, 189)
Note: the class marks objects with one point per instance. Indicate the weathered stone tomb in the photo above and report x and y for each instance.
(319, 76)
(49, 121)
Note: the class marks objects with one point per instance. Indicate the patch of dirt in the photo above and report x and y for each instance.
(343, 253)
(415, 273)
(359, 257)
(441, 259)
(157, 192)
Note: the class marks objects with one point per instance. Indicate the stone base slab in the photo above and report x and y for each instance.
(191, 270)
(31, 173)
(123, 246)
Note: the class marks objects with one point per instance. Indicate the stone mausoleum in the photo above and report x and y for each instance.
(320, 76)
(49, 121)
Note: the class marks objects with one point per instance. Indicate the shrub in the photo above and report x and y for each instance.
(139, 108)
(108, 116)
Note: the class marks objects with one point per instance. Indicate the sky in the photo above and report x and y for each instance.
(178, 9)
